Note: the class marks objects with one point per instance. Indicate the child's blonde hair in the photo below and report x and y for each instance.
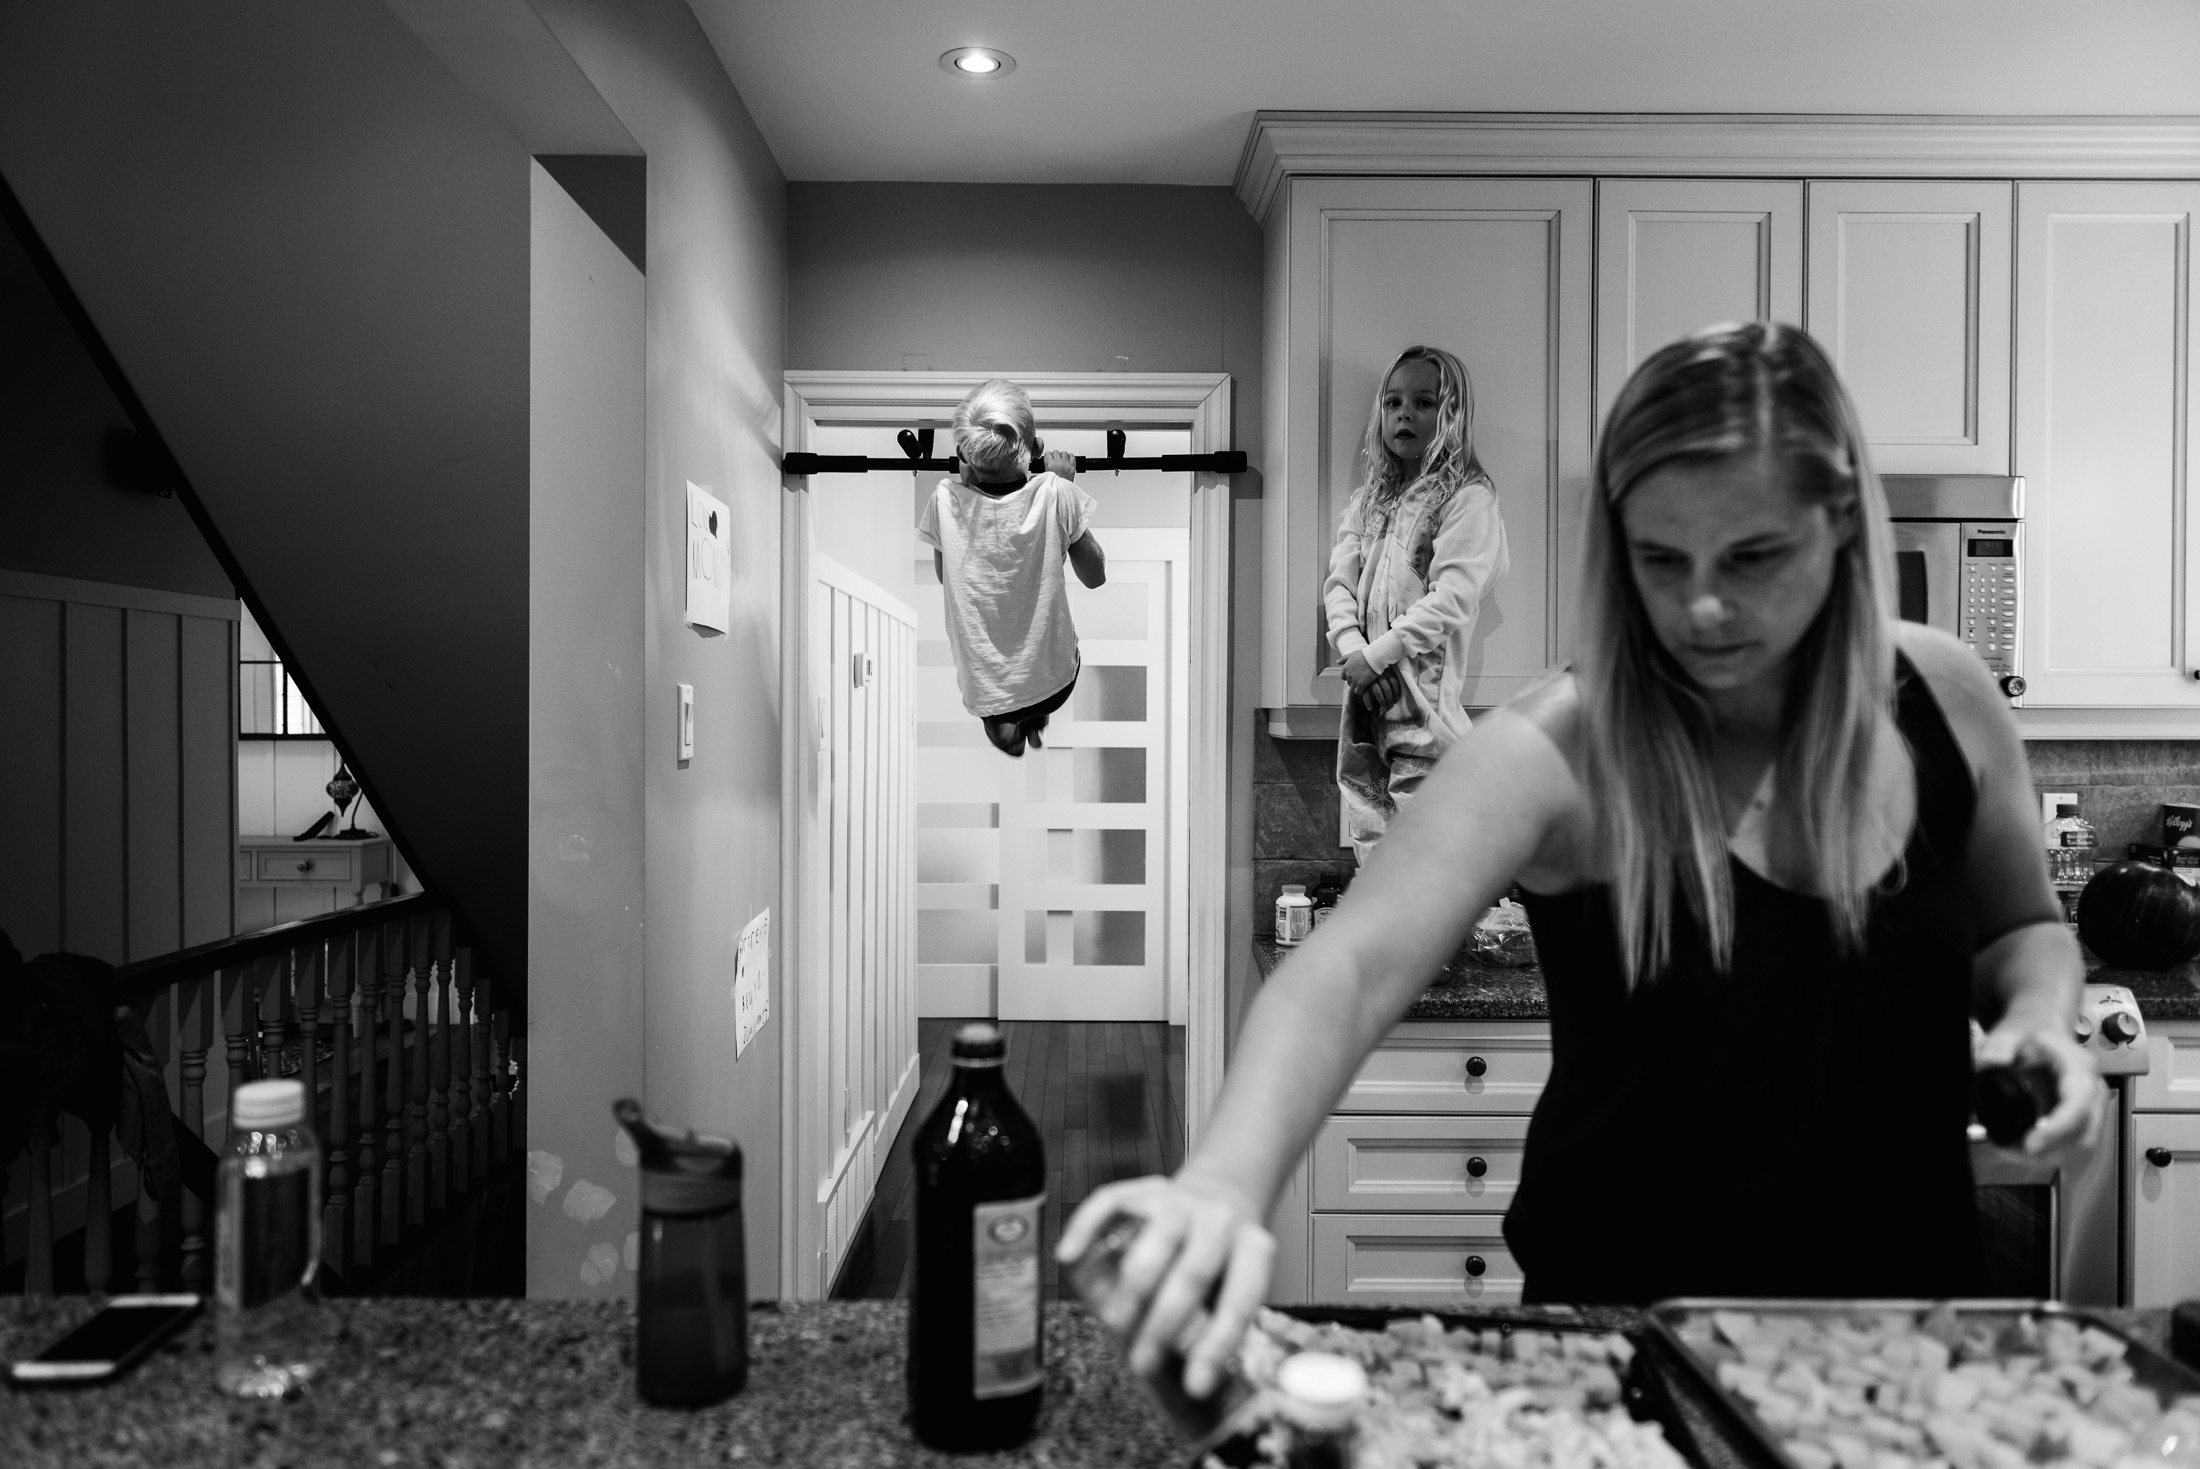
(1728, 393)
(994, 431)
(1451, 459)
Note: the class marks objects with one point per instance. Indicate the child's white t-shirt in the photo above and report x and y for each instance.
(1008, 622)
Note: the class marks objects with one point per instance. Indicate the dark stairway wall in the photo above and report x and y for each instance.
(307, 246)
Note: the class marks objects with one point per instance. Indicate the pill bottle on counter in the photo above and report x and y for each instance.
(1294, 914)
(1322, 1393)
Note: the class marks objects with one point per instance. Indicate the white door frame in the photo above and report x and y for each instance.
(1197, 402)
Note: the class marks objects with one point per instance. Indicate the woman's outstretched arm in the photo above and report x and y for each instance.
(1484, 815)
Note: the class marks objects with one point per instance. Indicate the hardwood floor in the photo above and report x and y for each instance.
(1108, 1100)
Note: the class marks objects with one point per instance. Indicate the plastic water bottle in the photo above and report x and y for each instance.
(2070, 847)
(691, 1294)
(267, 1244)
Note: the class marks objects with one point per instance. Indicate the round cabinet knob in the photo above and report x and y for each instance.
(2012, 685)
(2083, 1030)
(2120, 1027)
(2196, 673)
(2160, 1157)
(1476, 1167)
(1476, 1265)
(305, 864)
(1476, 1066)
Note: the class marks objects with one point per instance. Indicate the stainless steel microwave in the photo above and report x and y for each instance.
(1958, 544)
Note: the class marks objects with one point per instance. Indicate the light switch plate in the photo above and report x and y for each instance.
(709, 561)
(686, 724)
(752, 994)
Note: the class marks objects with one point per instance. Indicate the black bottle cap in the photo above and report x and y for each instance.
(980, 1040)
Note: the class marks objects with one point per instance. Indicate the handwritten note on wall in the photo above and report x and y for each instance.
(752, 993)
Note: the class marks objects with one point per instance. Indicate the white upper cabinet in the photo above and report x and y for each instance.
(1677, 255)
(1909, 292)
(1495, 270)
(2105, 397)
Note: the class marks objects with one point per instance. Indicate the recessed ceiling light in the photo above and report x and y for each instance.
(978, 63)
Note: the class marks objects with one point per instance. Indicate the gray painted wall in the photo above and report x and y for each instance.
(714, 351)
(59, 513)
(584, 740)
(1065, 278)
(307, 245)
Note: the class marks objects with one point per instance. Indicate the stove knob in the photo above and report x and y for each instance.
(2120, 1027)
(1476, 1265)
(2083, 1030)
(2013, 685)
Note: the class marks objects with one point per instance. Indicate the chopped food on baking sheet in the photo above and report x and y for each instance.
(1522, 1399)
(1908, 1389)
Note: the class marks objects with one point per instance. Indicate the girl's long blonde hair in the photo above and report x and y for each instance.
(1450, 459)
(1725, 392)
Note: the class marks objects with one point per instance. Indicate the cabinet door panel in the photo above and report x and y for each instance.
(2171, 1082)
(2105, 318)
(1422, 1260)
(1677, 255)
(1413, 1072)
(1908, 291)
(2165, 1209)
(1399, 1164)
(1496, 271)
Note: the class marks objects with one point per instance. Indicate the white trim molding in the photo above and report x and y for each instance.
(43, 588)
(1198, 403)
(1285, 145)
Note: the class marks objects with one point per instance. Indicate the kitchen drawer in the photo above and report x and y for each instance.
(2172, 1080)
(1417, 1163)
(1431, 1067)
(1414, 1259)
(323, 866)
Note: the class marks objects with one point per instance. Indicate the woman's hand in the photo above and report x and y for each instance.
(2081, 1097)
(1195, 1233)
(1358, 672)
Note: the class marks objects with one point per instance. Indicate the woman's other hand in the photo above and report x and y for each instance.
(1062, 464)
(2074, 1123)
(1198, 1238)
(1358, 672)
(1389, 688)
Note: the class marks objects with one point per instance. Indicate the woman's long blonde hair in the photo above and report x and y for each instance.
(1451, 458)
(1725, 392)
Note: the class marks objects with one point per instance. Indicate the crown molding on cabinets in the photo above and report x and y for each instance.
(1284, 145)
(1165, 399)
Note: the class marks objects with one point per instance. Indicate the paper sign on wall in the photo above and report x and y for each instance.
(709, 562)
(752, 967)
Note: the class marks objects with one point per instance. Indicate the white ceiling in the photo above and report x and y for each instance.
(1163, 91)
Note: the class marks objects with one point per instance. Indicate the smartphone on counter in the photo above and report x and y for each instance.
(117, 1337)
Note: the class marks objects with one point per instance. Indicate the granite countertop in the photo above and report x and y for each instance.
(473, 1384)
(1470, 990)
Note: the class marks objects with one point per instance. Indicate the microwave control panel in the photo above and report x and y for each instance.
(1989, 617)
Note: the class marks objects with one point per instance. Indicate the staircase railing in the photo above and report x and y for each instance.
(404, 1042)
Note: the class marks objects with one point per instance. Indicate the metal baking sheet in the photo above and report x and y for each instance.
(1645, 1391)
(2150, 1369)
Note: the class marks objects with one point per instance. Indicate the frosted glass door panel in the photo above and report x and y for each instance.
(1908, 291)
(1677, 255)
(2105, 318)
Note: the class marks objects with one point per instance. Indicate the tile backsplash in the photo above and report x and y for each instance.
(2120, 784)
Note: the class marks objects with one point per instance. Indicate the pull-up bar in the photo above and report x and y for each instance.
(916, 448)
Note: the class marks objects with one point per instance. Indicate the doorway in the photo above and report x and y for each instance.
(1082, 885)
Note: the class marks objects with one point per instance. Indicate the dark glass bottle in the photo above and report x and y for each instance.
(691, 1293)
(977, 1363)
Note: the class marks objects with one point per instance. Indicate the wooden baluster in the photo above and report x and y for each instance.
(306, 971)
(152, 1208)
(482, 1092)
(196, 1027)
(461, 1055)
(393, 1093)
(369, 954)
(500, 1076)
(336, 1210)
(38, 1262)
(439, 1076)
(99, 1213)
(421, 952)
(237, 1021)
(275, 1026)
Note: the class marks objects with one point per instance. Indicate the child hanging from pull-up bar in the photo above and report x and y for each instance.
(998, 539)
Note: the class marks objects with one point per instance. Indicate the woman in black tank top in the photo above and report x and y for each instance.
(1779, 850)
